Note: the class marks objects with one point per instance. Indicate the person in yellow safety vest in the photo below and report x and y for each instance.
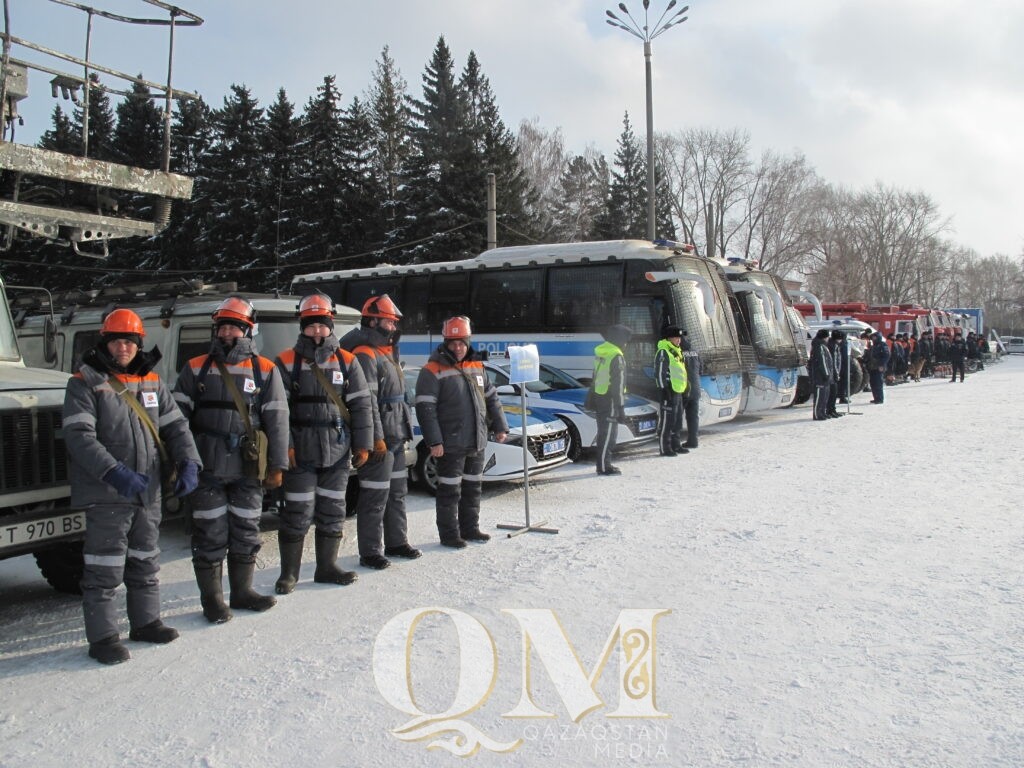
(670, 378)
(608, 392)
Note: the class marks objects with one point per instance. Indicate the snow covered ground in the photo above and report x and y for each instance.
(842, 593)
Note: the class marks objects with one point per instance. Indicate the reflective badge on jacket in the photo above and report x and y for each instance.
(337, 377)
(480, 380)
(149, 400)
(249, 386)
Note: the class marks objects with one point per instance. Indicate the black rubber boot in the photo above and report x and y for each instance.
(154, 632)
(456, 543)
(211, 591)
(291, 561)
(327, 570)
(109, 650)
(409, 553)
(240, 570)
(476, 535)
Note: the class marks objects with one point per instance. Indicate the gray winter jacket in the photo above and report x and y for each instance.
(101, 430)
(315, 420)
(211, 411)
(456, 403)
(384, 376)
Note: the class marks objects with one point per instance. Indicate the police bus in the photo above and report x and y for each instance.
(768, 341)
(560, 297)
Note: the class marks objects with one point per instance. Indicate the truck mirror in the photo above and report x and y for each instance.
(49, 341)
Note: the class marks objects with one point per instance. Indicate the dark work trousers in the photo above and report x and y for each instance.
(226, 517)
(877, 385)
(380, 512)
(670, 422)
(120, 545)
(821, 395)
(833, 397)
(317, 495)
(459, 480)
(958, 365)
(607, 435)
(691, 408)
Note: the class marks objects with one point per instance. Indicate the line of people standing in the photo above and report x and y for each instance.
(239, 423)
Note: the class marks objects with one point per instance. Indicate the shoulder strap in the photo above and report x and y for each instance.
(127, 396)
(243, 409)
(332, 393)
(205, 369)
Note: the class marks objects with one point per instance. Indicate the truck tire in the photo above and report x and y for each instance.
(61, 566)
(803, 390)
(856, 379)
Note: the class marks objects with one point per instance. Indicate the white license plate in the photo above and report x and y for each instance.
(647, 426)
(39, 530)
(555, 446)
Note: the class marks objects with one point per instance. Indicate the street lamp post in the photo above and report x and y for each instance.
(647, 33)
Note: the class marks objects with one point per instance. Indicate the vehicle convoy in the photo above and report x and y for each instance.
(69, 200)
(560, 297)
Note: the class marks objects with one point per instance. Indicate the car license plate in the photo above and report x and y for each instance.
(554, 446)
(15, 534)
(649, 425)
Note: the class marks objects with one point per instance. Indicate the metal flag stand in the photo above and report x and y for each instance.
(518, 357)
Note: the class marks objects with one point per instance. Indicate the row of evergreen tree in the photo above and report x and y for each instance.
(386, 178)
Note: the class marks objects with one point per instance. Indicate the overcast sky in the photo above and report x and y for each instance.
(923, 95)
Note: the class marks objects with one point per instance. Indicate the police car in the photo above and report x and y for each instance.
(564, 395)
(548, 443)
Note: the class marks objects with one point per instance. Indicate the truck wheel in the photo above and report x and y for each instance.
(61, 566)
(856, 379)
(803, 390)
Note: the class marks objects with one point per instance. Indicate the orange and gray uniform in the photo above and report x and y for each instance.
(383, 485)
(101, 431)
(456, 405)
(227, 505)
(322, 439)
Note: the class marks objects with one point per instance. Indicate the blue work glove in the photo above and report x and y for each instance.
(127, 482)
(188, 478)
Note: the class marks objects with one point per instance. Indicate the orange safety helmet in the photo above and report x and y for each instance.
(316, 305)
(122, 322)
(235, 310)
(456, 328)
(381, 306)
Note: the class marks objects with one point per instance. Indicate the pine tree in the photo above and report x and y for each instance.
(626, 212)
(390, 118)
(439, 223)
(230, 202)
(191, 138)
(361, 225)
(583, 190)
(318, 170)
(279, 198)
(137, 142)
(497, 152)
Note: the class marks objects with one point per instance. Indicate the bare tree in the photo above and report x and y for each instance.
(543, 161)
(779, 198)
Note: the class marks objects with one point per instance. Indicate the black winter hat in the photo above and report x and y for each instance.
(311, 319)
(618, 334)
(822, 333)
(672, 332)
(838, 335)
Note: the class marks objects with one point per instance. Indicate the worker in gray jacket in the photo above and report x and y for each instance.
(456, 406)
(227, 506)
(331, 430)
(384, 478)
(122, 429)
